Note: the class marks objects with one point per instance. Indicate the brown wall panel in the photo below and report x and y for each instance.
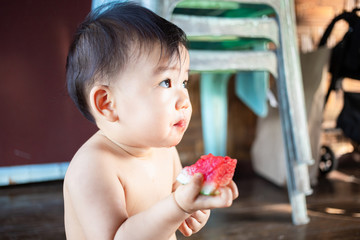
(38, 122)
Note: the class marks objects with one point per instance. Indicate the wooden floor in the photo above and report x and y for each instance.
(262, 210)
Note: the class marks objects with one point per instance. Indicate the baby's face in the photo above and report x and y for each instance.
(152, 100)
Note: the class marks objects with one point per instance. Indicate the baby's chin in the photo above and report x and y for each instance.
(168, 141)
(174, 143)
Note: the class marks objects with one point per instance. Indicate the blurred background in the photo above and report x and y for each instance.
(40, 128)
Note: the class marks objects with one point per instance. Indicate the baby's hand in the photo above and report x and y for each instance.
(188, 196)
(194, 223)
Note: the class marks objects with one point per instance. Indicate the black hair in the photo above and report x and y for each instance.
(104, 43)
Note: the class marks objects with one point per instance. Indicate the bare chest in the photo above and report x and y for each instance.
(147, 184)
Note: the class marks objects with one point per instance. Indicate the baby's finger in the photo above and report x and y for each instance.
(194, 186)
(185, 195)
(193, 224)
(201, 215)
(185, 230)
(234, 189)
(223, 199)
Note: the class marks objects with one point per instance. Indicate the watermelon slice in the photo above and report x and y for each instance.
(217, 171)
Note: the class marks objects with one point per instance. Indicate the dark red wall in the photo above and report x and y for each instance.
(38, 121)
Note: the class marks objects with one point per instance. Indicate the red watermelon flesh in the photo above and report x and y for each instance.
(217, 171)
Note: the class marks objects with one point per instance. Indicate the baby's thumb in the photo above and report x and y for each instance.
(195, 185)
(185, 195)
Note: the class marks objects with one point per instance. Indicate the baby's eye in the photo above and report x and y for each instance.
(185, 83)
(166, 83)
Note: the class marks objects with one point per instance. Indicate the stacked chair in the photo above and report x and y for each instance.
(232, 37)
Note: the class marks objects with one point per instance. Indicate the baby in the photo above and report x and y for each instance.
(127, 72)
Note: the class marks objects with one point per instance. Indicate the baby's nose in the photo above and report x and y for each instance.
(183, 102)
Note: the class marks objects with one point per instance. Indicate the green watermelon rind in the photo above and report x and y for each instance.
(207, 189)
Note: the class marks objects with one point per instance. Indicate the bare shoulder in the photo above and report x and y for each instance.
(93, 161)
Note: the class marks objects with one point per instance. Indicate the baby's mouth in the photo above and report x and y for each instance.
(180, 124)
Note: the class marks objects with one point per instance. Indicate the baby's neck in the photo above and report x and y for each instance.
(137, 152)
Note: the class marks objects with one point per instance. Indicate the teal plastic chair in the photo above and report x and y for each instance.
(200, 20)
(282, 63)
(250, 63)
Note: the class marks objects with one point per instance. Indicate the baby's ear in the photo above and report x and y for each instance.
(102, 103)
